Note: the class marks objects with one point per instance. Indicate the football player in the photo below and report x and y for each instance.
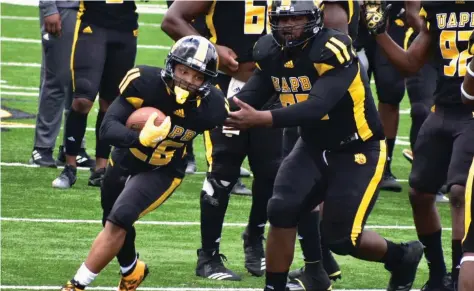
(466, 274)
(343, 16)
(341, 154)
(146, 167)
(443, 150)
(234, 26)
(103, 50)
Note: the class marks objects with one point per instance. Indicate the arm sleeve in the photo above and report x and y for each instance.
(48, 7)
(113, 129)
(216, 111)
(256, 92)
(326, 93)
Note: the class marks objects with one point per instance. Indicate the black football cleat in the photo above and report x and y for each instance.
(43, 157)
(332, 267)
(446, 284)
(315, 280)
(66, 179)
(254, 255)
(210, 265)
(404, 273)
(389, 183)
(83, 159)
(96, 177)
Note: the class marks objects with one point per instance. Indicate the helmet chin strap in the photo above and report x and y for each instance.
(181, 94)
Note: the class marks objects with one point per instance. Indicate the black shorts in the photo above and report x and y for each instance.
(389, 82)
(225, 152)
(101, 57)
(127, 196)
(468, 241)
(443, 151)
(346, 180)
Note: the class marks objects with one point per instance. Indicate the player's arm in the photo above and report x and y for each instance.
(178, 19)
(256, 92)
(113, 129)
(412, 12)
(467, 87)
(407, 62)
(216, 111)
(335, 16)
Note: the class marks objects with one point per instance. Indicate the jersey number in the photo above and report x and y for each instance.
(449, 51)
(255, 18)
(288, 99)
(164, 152)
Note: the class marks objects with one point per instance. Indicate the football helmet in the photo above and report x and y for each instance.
(294, 8)
(197, 53)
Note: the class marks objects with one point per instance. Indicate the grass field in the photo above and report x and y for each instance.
(46, 233)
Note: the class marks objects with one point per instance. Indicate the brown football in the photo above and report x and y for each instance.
(138, 118)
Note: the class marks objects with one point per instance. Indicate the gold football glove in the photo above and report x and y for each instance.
(151, 134)
(376, 15)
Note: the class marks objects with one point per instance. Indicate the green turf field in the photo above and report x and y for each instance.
(46, 233)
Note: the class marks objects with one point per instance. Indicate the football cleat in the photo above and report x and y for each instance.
(66, 179)
(404, 273)
(42, 157)
(210, 265)
(71, 287)
(332, 267)
(315, 280)
(254, 255)
(96, 177)
(390, 183)
(130, 282)
(83, 160)
(446, 284)
(241, 189)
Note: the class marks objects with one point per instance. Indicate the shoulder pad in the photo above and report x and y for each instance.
(263, 49)
(136, 84)
(332, 48)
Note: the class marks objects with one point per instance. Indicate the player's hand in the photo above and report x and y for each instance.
(151, 134)
(376, 16)
(227, 62)
(248, 117)
(52, 24)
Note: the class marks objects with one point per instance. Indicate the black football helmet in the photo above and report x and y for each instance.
(197, 53)
(292, 8)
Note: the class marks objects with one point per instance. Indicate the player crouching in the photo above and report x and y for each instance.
(147, 166)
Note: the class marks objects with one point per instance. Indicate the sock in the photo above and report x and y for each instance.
(325, 251)
(310, 241)
(276, 281)
(390, 147)
(456, 256)
(419, 112)
(212, 217)
(128, 255)
(102, 149)
(393, 255)
(434, 256)
(76, 124)
(83, 277)
(127, 270)
(263, 188)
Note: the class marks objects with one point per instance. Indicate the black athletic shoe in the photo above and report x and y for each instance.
(96, 177)
(254, 255)
(404, 273)
(210, 265)
(66, 179)
(316, 280)
(83, 159)
(390, 183)
(330, 266)
(445, 285)
(43, 157)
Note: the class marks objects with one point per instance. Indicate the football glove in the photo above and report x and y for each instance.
(376, 16)
(151, 134)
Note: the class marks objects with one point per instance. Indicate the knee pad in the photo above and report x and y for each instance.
(216, 191)
(282, 214)
(419, 111)
(124, 216)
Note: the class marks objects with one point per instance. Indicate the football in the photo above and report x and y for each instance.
(138, 118)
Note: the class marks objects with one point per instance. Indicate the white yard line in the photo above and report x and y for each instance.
(14, 287)
(21, 94)
(15, 64)
(18, 88)
(38, 41)
(27, 18)
(173, 223)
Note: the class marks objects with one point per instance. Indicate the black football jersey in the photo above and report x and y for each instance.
(450, 24)
(293, 77)
(237, 25)
(144, 87)
(113, 14)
